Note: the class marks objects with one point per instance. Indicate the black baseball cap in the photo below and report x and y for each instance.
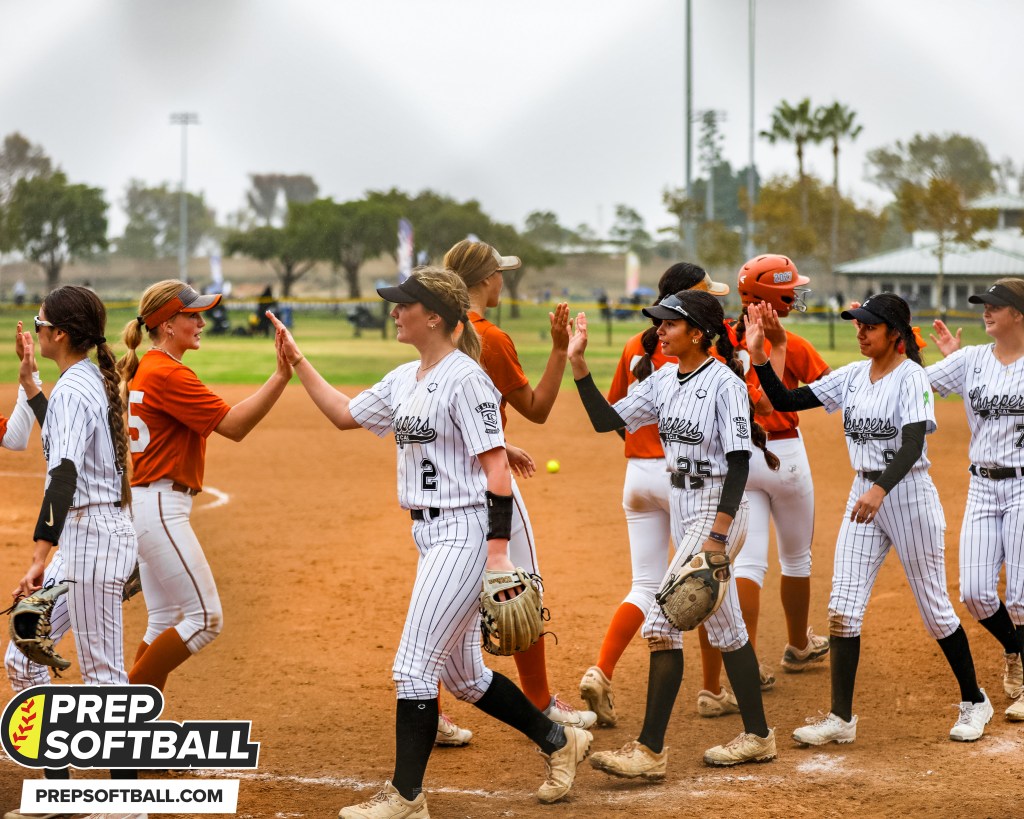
(998, 295)
(883, 308)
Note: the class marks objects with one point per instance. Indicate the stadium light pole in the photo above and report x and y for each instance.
(750, 166)
(689, 226)
(184, 119)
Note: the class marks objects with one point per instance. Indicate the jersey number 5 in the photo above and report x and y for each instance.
(141, 439)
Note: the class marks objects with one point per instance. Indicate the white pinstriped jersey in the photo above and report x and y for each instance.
(993, 400)
(874, 414)
(441, 423)
(76, 428)
(701, 416)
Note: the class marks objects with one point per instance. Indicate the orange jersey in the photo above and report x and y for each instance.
(803, 365)
(3, 427)
(644, 443)
(499, 359)
(170, 415)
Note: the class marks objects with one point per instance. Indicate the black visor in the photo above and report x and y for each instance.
(999, 296)
(412, 291)
(671, 308)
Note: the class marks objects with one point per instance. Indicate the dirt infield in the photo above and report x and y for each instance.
(315, 564)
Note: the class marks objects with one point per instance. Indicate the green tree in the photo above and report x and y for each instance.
(629, 231)
(543, 228)
(954, 157)
(781, 229)
(154, 223)
(270, 194)
(940, 206)
(510, 243)
(20, 159)
(354, 232)
(710, 152)
(52, 222)
(290, 250)
(719, 246)
(438, 221)
(836, 122)
(796, 124)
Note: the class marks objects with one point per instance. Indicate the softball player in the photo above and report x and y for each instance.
(887, 411)
(991, 379)
(705, 422)
(453, 476)
(645, 499)
(784, 497)
(87, 496)
(481, 268)
(171, 413)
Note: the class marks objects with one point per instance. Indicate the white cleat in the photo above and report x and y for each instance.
(974, 716)
(451, 735)
(560, 711)
(829, 729)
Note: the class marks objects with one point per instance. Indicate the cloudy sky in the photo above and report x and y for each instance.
(566, 105)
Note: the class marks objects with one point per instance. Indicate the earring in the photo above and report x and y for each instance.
(695, 341)
(432, 326)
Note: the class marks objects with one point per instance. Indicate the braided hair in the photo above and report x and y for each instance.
(707, 311)
(80, 313)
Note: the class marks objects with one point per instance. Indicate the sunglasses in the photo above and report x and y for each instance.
(43, 323)
(675, 304)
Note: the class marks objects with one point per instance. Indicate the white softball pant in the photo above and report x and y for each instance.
(441, 637)
(786, 498)
(693, 515)
(645, 500)
(177, 581)
(910, 520)
(993, 534)
(522, 549)
(97, 551)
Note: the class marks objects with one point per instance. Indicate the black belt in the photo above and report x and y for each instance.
(681, 480)
(997, 473)
(177, 487)
(417, 514)
(871, 476)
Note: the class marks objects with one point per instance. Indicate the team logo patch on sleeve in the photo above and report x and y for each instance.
(489, 414)
(742, 427)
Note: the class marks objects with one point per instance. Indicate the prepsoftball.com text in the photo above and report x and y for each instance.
(194, 796)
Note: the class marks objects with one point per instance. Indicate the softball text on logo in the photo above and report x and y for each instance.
(116, 726)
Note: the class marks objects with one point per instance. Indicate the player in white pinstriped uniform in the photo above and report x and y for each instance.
(990, 377)
(705, 421)
(87, 497)
(887, 412)
(453, 476)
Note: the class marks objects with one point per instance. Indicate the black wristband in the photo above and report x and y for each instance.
(56, 502)
(37, 403)
(718, 537)
(499, 516)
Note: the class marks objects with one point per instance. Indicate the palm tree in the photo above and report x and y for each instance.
(836, 122)
(796, 124)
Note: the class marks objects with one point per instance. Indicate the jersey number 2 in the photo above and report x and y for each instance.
(428, 476)
(141, 439)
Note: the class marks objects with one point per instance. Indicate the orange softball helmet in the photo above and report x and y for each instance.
(773, 279)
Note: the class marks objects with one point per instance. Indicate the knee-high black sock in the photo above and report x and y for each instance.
(415, 729)
(664, 677)
(56, 773)
(844, 654)
(1000, 626)
(505, 702)
(958, 655)
(1020, 638)
(745, 678)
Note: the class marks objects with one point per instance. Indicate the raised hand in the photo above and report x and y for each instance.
(284, 342)
(755, 333)
(578, 339)
(945, 340)
(560, 326)
(773, 329)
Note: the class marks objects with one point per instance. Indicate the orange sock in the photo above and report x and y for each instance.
(796, 600)
(140, 651)
(625, 624)
(750, 605)
(167, 652)
(533, 674)
(710, 663)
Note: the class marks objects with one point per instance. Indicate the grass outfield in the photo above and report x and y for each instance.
(329, 341)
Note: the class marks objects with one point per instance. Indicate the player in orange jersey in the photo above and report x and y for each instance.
(171, 413)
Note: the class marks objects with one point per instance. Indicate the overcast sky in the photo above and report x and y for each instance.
(564, 105)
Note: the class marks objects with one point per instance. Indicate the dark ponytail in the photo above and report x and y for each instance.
(908, 341)
(649, 341)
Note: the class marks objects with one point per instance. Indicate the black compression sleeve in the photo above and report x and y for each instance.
(907, 455)
(56, 502)
(602, 414)
(735, 481)
(802, 398)
(37, 404)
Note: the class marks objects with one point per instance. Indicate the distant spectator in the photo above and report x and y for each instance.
(19, 292)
